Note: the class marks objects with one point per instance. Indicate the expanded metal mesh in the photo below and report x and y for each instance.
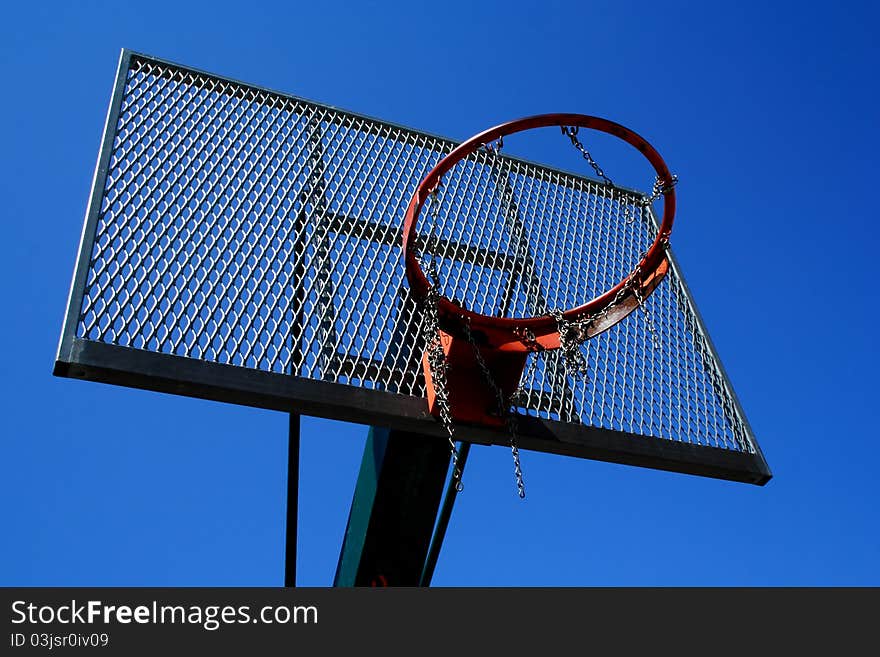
(244, 227)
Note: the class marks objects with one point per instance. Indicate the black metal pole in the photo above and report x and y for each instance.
(292, 500)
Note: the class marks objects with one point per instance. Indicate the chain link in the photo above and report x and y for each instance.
(571, 336)
(437, 360)
(574, 333)
(504, 405)
(428, 260)
(649, 320)
(439, 365)
(518, 398)
(660, 188)
(503, 408)
(571, 132)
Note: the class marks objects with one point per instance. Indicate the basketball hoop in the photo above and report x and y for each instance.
(600, 313)
(494, 349)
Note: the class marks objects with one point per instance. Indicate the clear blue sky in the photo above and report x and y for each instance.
(766, 110)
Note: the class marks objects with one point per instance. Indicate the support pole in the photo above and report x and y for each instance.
(394, 510)
(443, 520)
(292, 501)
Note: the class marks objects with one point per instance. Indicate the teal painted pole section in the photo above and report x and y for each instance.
(394, 510)
(361, 507)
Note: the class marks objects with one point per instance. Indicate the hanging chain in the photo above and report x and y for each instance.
(623, 198)
(437, 360)
(649, 320)
(571, 336)
(661, 188)
(571, 132)
(503, 408)
(573, 333)
(504, 405)
(439, 365)
(430, 265)
(527, 336)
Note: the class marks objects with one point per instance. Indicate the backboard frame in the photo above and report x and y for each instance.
(161, 372)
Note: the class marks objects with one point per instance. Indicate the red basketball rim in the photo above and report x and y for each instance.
(506, 332)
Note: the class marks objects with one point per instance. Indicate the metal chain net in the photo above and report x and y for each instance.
(245, 227)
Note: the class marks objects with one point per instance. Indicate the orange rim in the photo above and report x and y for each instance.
(507, 332)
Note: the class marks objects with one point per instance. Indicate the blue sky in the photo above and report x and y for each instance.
(767, 111)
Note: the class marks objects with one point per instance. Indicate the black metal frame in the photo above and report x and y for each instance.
(96, 361)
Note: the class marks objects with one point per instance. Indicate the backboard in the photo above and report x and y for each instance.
(243, 245)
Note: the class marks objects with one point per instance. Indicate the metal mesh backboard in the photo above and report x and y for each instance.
(244, 245)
